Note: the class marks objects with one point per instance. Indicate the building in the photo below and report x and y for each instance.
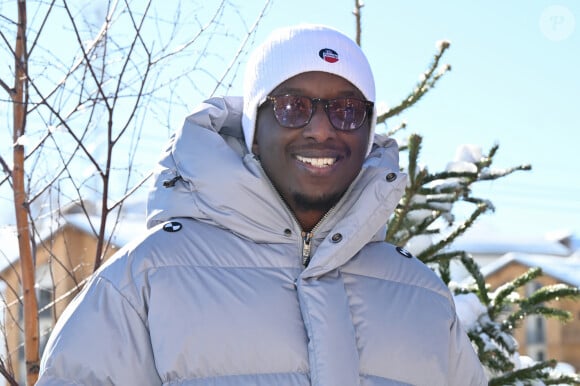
(503, 257)
(65, 255)
(538, 337)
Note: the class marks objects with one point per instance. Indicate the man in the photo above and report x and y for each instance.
(265, 264)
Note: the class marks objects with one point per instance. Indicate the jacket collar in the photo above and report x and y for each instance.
(221, 183)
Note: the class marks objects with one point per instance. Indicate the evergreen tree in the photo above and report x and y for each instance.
(424, 219)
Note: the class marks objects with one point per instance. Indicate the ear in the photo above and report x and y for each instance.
(255, 147)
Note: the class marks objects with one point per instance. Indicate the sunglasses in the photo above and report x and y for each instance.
(345, 114)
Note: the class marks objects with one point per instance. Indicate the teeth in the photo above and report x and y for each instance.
(318, 162)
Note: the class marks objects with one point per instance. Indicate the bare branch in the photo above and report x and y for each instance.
(130, 192)
(7, 43)
(42, 25)
(144, 77)
(7, 88)
(5, 167)
(64, 123)
(7, 178)
(358, 4)
(194, 39)
(85, 51)
(241, 48)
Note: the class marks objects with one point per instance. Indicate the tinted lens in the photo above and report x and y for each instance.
(346, 113)
(292, 110)
(295, 111)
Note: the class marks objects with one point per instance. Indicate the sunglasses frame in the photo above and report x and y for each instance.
(325, 103)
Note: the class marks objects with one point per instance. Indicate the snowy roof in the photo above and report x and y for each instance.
(483, 240)
(131, 224)
(8, 246)
(565, 269)
(128, 227)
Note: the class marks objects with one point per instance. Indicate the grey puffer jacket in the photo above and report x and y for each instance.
(216, 292)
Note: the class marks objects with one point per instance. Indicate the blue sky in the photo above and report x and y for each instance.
(513, 81)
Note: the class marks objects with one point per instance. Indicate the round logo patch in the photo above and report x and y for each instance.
(172, 226)
(404, 252)
(328, 55)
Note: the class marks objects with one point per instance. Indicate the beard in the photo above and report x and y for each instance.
(320, 203)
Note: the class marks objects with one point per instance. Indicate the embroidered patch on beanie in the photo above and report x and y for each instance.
(328, 55)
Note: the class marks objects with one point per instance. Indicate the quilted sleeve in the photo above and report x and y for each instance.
(92, 345)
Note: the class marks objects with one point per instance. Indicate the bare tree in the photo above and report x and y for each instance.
(89, 80)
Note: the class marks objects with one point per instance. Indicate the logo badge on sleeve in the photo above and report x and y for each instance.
(328, 55)
(404, 252)
(172, 226)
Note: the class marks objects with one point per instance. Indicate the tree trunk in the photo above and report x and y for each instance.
(20, 101)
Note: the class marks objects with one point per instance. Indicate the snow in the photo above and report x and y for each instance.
(564, 368)
(491, 239)
(565, 269)
(9, 243)
(482, 241)
(561, 368)
(22, 140)
(417, 216)
(446, 183)
(440, 44)
(418, 244)
(468, 153)
(469, 309)
(382, 108)
(128, 228)
(461, 167)
(131, 225)
(440, 202)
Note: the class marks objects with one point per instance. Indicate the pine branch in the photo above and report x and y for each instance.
(534, 305)
(473, 269)
(495, 174)
(414, 150)
(492, 358)
(536, 371)
(433, 249)
(551, 292)
(402, 126)
(510, 287)
(541, 371)
(430, 79)
(563, 379)
(445, 272)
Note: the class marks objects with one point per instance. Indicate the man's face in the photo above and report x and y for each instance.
(312, 166)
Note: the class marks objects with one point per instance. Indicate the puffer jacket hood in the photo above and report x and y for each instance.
(200, 176)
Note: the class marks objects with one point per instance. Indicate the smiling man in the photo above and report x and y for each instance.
(265, 262)
(312, 149)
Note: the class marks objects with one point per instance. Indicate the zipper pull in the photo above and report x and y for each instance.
(171, 183)
(306, 239)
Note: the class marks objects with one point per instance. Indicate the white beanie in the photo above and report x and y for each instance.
(303, 48)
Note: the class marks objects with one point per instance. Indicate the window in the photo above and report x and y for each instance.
(535, 326)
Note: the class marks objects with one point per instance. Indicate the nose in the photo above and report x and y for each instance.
(319, 128)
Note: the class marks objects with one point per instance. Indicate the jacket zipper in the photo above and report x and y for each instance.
(307, 239)
(306, 236)
(306, 250)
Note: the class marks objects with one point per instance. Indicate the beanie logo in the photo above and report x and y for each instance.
(328, 55)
